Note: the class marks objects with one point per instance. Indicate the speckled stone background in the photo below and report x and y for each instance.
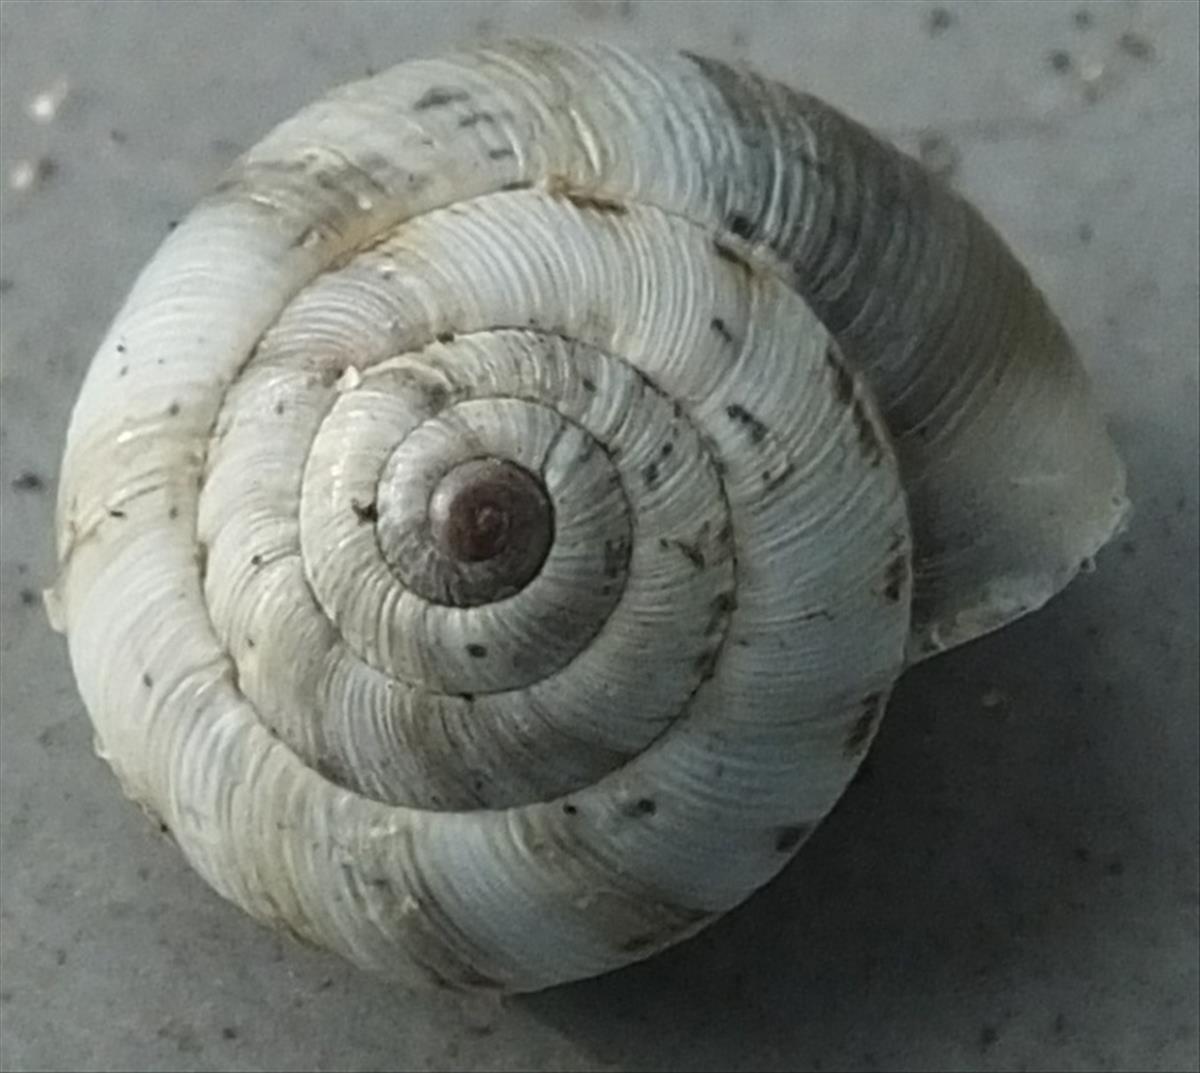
(1012, 882)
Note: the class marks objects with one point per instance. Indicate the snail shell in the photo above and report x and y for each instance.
(490, 529)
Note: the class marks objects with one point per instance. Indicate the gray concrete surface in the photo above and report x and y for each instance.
(1012, 884)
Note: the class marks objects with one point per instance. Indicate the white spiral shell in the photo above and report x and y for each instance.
(491, 528)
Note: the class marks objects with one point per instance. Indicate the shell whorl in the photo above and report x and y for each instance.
(492, 526)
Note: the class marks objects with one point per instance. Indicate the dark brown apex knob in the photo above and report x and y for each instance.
(490, 509)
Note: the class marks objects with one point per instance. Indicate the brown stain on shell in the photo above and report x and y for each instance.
(719, 326)
(868, 435)
(616, 557)
(439, 97)
(754, 427)
(896, 577)
(559, 187)
(706, 663)
(723, 605)
(862, 730)
(848, 395)
(790, 836)
(366, 513)
(731, 257)
(692, 552)
(843, 381)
